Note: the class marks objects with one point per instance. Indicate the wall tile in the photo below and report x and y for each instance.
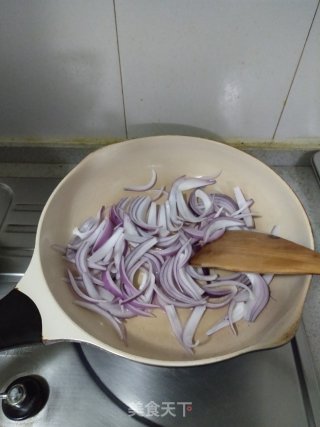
(59, 69)
(219, 68)
(301, 116)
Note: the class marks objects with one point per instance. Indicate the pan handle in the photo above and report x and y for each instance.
(56, 325)
(21, 322)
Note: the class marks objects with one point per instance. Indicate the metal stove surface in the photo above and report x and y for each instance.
(90, 387)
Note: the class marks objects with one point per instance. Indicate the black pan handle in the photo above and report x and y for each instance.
(20, 321)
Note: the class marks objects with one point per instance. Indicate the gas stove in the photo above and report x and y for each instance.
(79, 385)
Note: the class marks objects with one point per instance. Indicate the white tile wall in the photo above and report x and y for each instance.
(220, 68)
(301, 117)
(59, 69)
(209, 67)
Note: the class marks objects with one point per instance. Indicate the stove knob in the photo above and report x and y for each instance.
(25, 397)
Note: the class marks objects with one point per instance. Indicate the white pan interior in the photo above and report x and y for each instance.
(99, 180)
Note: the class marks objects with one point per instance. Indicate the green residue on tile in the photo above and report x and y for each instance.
(59, 141)
(290, 144)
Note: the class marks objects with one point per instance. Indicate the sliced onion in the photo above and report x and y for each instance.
(220, 223)
(139, 251)
(144, 187)
(259, 298)
(105, 231)
(135, 257)
(175, 323)
(200, 276)
(243, 206)
(118, 326)
(192, 325)
(159, 193)
(78, 291)
(81, 257)
(225, 202)
(138, 213)
(104, 252)
(234, 315)
(152, 214)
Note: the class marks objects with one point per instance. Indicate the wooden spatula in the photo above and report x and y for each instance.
(253, 252)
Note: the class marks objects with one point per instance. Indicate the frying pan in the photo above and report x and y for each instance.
(42, 308)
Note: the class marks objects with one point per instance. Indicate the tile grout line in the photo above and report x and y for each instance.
(120, 69)
(295, 72)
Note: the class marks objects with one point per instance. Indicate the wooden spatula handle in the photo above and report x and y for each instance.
(259, 253)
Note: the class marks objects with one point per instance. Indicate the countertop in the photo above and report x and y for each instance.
(302, 180)
(293, 166)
